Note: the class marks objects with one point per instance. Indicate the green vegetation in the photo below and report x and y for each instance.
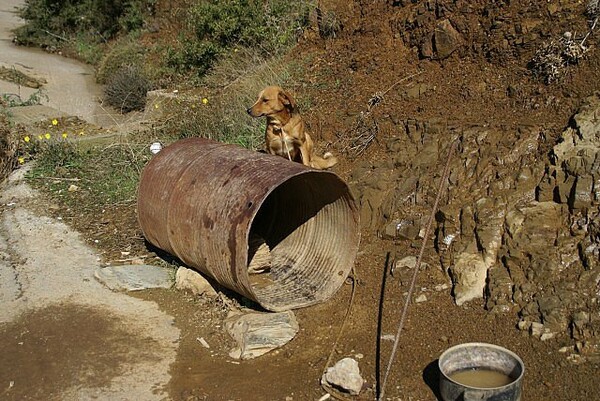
(222, 58)
(9, 145)
(103, 174)
(214, 27)
(126, 90)
(14, 100)
(59, 24)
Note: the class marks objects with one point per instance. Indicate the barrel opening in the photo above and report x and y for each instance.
(304, 222)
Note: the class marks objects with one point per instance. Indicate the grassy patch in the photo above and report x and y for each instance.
(214, 27)
(97, 175)
(78, 27)
(218, 110)
(9, 145)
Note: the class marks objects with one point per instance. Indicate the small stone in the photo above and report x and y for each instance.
(564, 350)
(536, 329)
(421, 298)
(344, 375)
(547, 336)
(524, 325)
(188, 279)
(73, 188)
(446, 39)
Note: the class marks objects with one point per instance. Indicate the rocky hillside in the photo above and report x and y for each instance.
(514, 84)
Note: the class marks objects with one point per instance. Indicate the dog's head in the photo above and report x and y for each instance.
(271, 101)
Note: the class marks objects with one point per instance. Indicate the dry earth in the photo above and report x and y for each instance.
(427, 90)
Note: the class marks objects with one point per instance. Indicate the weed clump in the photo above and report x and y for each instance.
(123, 53)
(9, 144)
(552, 59)
(127, 88)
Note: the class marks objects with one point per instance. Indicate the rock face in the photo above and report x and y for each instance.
(520, 227)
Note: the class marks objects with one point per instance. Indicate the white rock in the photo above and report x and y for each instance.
(547, 336)
(155, 147)
(421, 298)
(188, 279)
(258, 333)
(469, 274)
(344, 375)
(536, 329)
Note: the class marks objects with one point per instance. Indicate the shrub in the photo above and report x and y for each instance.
(123, 53)
(127, 89)
(215, 26)
(58, 23)
(9, 152)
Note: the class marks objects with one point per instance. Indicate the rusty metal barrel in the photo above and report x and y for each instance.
(203, 201)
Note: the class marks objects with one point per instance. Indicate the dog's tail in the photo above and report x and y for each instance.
(327, 161)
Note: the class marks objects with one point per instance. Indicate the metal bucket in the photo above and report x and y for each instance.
(475, 359)
(202, 201)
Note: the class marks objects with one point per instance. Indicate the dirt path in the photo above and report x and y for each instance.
(60, 328)
(70, 85)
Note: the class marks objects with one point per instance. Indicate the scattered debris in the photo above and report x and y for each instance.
(202, 341)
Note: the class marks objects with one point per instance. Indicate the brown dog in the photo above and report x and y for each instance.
(285, 134)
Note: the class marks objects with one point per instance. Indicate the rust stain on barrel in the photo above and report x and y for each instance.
(200, 200)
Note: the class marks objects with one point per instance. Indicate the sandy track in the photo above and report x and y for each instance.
(62, 334)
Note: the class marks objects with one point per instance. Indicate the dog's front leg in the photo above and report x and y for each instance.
(305, 154)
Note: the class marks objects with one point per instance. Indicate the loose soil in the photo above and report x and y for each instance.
(382, 52)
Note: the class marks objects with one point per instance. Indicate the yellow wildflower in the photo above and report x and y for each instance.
(156, 105)
(40, 137)
(47, 136)
(64, 135)
(21, 160)
(26, 139)
(55, 122)
(204, 101)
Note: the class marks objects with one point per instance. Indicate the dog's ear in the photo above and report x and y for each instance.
(287, 100)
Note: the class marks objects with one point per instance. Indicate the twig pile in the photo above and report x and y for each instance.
(552, 59)
(364, 131)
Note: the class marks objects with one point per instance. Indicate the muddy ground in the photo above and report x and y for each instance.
(521, 204)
